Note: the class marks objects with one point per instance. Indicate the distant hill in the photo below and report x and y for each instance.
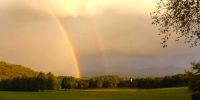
(12, 70)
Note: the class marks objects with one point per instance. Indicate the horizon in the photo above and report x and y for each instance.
(84, 38)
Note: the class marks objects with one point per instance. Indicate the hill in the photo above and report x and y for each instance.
(12, 70)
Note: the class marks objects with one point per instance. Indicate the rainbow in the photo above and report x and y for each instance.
(97, 36)
(69, 43)
(99, 43)
(66, 35)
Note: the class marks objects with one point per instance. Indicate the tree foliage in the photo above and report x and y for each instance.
(50, 82)
(83, 84)
(8, 71)
(147, 83)
(36, 83)
(42, 81)
(194, 83)
(69, 83)
(104, 82)
(179, 18)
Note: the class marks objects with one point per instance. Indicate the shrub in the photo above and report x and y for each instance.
(196, 96)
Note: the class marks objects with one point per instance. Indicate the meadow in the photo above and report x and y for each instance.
(101, 94)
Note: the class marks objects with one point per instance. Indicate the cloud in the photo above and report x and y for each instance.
(19, 15)
(31, 37)
(118, 33)
(110, 38)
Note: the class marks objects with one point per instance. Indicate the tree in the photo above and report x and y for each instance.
(40, 81)
(69, 83)
(99, 83)
(180, 18)
(147, 83)
(52, 82)
(194, 83)
(96, 82)
(168, 81)
(125, 83)
(83, 84)
(111, 81)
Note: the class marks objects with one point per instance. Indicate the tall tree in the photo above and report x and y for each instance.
(195, 77)
(52, 82)
(69, 83)
(194, 83)
(180, 18)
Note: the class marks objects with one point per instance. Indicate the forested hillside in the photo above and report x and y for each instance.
(12, 70)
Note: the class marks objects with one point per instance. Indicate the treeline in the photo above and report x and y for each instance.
(49, 82)
(163, 82)
(119, 82)
(40, 82)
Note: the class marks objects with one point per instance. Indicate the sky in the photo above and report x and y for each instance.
(112, 37)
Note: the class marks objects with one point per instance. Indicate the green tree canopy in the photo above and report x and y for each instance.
(69, 83)
(195, 77)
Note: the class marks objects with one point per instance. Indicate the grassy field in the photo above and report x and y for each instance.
(102, 94)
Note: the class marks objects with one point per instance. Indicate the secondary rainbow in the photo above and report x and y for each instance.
(97, 36)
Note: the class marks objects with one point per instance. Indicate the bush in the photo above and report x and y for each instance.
(196, 96)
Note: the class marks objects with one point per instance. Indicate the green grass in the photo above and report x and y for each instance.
(101, 94)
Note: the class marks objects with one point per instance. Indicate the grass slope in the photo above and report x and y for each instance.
(12, 70)
(105, 94)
